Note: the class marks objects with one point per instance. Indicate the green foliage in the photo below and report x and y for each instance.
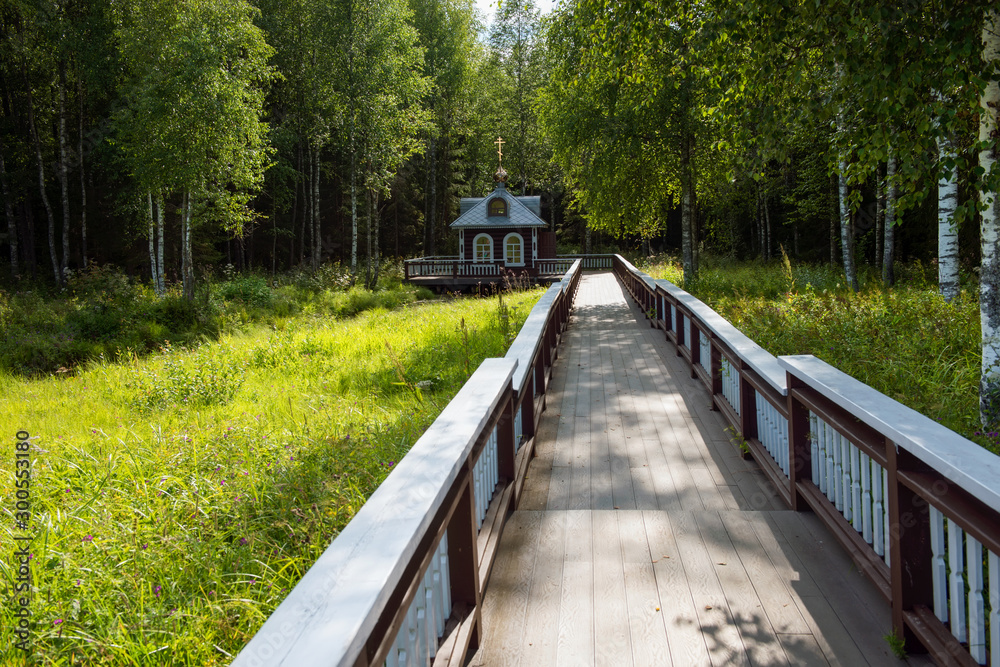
(250, 290)
(200, 379)
(896, 644)
(177, 499)
(906, 342)
(108, 315)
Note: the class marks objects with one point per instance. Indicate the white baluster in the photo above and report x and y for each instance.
(784, 444)
(994, 574)
(977, 607)
(956, 589)
(866, 497)
(878, 507)
(814, 448)
(845, 477)
(856, 512)
(939, 567)
(837, 481)
(885, 513)
(831, 464)
(420, 654)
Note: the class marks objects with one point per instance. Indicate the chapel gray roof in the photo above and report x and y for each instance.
(521, 211)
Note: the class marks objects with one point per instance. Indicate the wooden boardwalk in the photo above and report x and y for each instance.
(642, 537)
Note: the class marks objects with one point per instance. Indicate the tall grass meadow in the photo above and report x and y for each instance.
(179, 494)
(904, 341)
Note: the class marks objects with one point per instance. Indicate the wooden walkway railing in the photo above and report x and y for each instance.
(916, 505)
(402, 584)
(442, 266)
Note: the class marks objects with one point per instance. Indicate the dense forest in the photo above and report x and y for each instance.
(168, 137)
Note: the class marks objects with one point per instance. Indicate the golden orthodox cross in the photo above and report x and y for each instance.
(500, 142)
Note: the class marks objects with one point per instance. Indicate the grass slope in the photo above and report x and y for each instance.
(177, 498)
(906, 342)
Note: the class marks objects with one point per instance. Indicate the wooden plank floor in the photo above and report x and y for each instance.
(643, 538)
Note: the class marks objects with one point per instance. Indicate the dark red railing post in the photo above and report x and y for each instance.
(715, 366)
(506, 447)
(694, 345)
(910, 574)
(748, 406)
(528, 407)
(799, 444)
(463, 558)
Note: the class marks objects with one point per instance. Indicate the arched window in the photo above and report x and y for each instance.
(498, 208)
(482, 248)
(513, 246)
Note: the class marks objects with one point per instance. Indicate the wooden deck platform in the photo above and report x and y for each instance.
(643, 538)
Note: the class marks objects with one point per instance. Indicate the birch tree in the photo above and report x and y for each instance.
(192, 128)
(989, 276)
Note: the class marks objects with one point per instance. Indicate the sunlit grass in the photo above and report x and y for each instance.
(178, 498)
(906, 342)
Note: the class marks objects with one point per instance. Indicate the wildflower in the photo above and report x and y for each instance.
(156, 590)
(57, 621)
(243, 540)
(222, 483)
(145, 545)
(88, 538)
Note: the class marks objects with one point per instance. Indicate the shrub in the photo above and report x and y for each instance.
(250, 290)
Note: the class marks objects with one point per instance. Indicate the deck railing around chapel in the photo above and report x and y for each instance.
(402, 583)
(915, 504)
(453, 267)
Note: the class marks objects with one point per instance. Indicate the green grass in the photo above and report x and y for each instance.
(906, 342)
(104, 314)
(178, 498)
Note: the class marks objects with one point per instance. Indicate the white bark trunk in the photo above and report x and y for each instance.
(154, 270)
(83, 186)
(187, 264)
(161, 284)
(317, 236)
(846, 237)
(354, 216)
(41, 187)
(687, 216)
(989, 277)
(947, 228)
(889, 243)
(63, 174)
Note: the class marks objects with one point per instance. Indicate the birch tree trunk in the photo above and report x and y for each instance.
(989, 276)
(687, 215)
(947, 228)
(307, 222)
(768, 243)
(63, 173)
(11, 221)
(187, 264)
(41, 187)
(889, 243)
(307, 213)
(879, 214)
(83, 185)
(317, 235)
(846, 235)
(153, 268)
(161, 278)
(834, 217)
(354, 213)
